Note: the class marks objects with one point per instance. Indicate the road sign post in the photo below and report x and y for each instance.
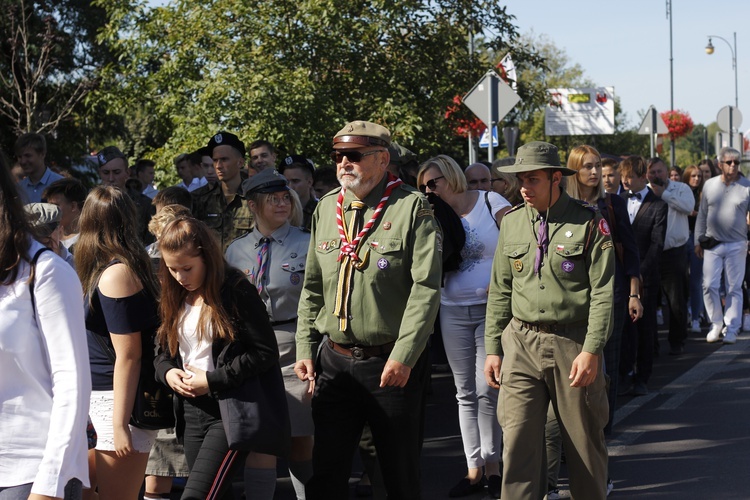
(652, 125)
(729, 120)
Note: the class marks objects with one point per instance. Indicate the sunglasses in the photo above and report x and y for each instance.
(732, 162)
(430, 184)
(353, 156)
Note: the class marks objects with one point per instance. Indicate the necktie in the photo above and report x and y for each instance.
(344, 289)
(542, 243)
(262, 263)
(631, 194)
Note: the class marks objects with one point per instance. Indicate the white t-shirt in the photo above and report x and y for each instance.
(468, 285)
(194, 352)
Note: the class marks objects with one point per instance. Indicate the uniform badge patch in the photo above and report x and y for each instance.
(568, 234)
(518, 265)
(383, 263)
(293, 256)
(568, 266)
(424, 212)
(604, 227)
(606, 245)
(294, 278)
(386, 225)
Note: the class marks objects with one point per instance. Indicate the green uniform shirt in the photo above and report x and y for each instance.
(395, 296)
(229, 220)
(576, 282)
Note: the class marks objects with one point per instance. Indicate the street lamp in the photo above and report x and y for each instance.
(733, 49)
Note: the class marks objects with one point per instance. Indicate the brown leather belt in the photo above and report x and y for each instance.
(554, 327)
(361, 352)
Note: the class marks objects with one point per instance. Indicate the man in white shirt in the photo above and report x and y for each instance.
(680, 202)
(190, 170)
(721, 239)
(144, 171)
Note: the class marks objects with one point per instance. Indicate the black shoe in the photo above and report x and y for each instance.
(626, 386)
(494, 486)
(465, 488)
(676, 350)
(640, 389)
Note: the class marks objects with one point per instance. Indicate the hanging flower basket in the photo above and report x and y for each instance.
(678, 123)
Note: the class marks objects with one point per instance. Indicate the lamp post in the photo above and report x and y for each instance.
(733, 49)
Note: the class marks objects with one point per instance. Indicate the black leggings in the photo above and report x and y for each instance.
(212, 464)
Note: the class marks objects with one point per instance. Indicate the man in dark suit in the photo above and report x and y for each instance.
(648, 216)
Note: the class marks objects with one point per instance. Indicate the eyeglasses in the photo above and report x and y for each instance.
(732, 162)
(430, 184)
(353, 156)
(276, 201)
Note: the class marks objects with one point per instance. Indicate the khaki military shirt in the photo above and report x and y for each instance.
(577, 277)
(229, 220)
(395, 295)
(285, 272)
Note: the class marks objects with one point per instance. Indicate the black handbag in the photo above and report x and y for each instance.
(255, 415)
(153, 407)
(708, 242)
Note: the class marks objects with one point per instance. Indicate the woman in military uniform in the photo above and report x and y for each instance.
(273, 258)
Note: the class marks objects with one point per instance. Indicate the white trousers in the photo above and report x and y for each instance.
(729, 259)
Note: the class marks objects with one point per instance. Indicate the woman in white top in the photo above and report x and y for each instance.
(462, 314)
(44, 367)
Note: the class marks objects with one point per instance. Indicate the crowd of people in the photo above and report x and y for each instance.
(545, 284)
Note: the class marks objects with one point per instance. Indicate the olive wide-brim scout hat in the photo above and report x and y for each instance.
(537, 155)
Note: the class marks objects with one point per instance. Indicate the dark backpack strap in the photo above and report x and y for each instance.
(32, 275)
(489, 207)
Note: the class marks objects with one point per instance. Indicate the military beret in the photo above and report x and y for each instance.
(45, 216)
(297, 160)
(400, 155)
(226, 139)
(268, 180)
(359, 134)
(537, 155)
(108, 154)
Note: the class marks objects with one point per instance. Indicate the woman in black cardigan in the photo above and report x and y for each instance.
(205, 306)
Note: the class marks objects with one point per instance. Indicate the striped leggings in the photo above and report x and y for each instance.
(212, 464)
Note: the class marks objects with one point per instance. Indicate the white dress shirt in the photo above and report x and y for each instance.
(679, 198)
(194, 184)
(634, 203)
(45, 380)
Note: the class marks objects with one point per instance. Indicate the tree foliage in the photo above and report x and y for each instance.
(293, 72)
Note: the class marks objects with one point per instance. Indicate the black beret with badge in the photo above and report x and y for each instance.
(108, 154)
(265, 181)
(226, 139)
(298, 161)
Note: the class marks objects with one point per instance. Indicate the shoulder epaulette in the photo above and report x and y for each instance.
(517, 207)
(334, 191)
(586, 204)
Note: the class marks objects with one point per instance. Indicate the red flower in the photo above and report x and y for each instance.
(678, 122)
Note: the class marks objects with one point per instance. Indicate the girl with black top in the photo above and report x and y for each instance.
(205, 305)
(121, 317)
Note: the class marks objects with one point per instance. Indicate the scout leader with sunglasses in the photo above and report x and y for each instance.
(721, 239)
(272, 257)
(372, 285)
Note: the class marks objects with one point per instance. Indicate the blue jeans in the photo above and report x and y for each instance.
(463, 337)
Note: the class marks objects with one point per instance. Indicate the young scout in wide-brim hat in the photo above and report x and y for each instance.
(537, 155)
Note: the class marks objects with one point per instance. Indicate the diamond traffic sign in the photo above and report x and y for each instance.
(491, 89)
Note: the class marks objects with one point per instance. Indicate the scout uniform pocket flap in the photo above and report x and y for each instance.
(569, 251)
(515, 250)
(386, 245)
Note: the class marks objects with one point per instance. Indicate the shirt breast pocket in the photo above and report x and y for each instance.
(519, 258)
(386, 257)
(568, 262)
(293, 271)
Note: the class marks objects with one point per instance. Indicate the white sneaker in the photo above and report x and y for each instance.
(730, 338)
(696, 326)
(714, 335)
(746, 322)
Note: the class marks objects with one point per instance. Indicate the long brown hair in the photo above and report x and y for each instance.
(193, 237)
(14, 226)
(108, 232)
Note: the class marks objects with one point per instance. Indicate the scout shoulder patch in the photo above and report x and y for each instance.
(604, 227)
(607, 244)
(424, 212)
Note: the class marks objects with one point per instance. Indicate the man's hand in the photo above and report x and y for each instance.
(635, 308)
(305, 370)
(699, 251)
(492, 370)
(657, 189)
(584, 370)
(395, 374)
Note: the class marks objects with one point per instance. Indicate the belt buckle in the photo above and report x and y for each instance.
(358, 353)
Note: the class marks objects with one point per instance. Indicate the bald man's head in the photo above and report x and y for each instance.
(478, 177)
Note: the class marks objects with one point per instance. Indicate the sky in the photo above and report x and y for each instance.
(625, 44)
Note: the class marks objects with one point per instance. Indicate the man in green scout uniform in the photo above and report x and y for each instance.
(372, 285)
(220, 205)
(549, 314)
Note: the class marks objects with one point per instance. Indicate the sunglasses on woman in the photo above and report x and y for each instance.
(430, 184)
